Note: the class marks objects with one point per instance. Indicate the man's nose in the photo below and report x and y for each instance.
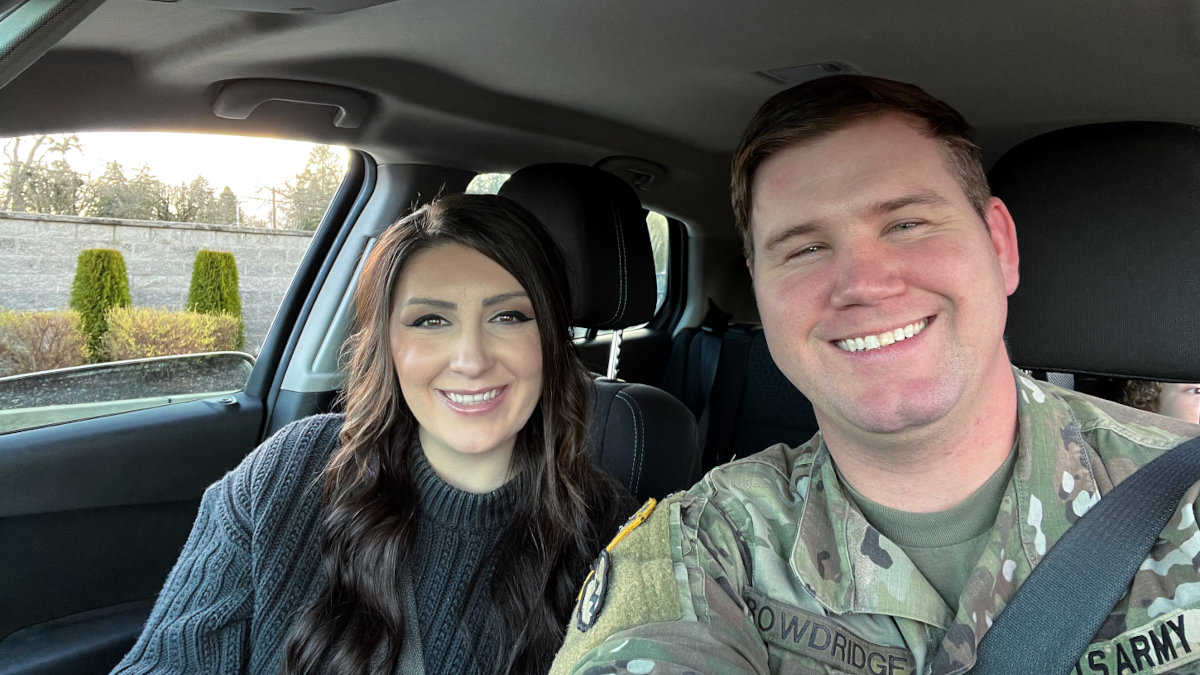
(866, 272)
(472, 356)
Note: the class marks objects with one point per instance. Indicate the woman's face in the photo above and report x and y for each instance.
(1180, 400)
(468, 357)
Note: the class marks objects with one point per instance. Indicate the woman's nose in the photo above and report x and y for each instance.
(471, 354)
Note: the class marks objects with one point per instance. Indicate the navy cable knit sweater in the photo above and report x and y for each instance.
(252, 564)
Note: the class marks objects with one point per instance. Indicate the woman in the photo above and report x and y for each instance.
(445, 523)
(1165, 398)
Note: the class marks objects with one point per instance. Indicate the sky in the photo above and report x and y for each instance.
(245, 164)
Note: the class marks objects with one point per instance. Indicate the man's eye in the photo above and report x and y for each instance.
(906, 225)
(430, 321)
(805, 251)
(512, 316)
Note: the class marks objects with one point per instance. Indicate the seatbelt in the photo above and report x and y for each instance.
(1060, 607)
(705, 356)
(719, 419)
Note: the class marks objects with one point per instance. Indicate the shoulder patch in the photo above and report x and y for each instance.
(595, 587)
(591, 597)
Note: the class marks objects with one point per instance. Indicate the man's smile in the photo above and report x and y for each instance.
(880, 340)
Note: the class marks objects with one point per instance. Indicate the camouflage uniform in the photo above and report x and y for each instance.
(767, 566)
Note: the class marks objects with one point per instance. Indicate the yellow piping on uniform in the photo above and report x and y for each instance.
(634, 520)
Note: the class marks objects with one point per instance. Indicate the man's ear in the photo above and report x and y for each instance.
(1003, 233)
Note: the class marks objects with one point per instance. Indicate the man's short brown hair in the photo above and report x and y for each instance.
(822, 106)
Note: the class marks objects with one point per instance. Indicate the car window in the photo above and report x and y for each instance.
(125, 257)
(656, 223)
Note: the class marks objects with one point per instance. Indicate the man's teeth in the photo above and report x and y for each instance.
(869, 342)
(469, 399)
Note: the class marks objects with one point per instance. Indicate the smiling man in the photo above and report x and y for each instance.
(941, 475)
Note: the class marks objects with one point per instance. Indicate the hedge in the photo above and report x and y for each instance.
(137, 332)
(214, 288)
(101, 283)
(33, 341)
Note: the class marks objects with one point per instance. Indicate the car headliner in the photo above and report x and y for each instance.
(492, 86)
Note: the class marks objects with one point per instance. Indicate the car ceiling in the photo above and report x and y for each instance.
(495, 85)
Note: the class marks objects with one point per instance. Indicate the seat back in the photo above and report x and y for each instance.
(640, 434)
(1108, 224)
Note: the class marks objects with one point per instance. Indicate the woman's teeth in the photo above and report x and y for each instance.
(468, 399)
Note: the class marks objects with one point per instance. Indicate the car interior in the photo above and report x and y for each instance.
(1086, 115)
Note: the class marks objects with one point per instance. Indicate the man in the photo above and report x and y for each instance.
(941, 475)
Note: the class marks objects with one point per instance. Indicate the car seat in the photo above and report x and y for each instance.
(1108, 225)
(642, 435)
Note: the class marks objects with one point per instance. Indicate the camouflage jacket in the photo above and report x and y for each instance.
(766, 566)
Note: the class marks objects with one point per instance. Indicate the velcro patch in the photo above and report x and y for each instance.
(1161, 646)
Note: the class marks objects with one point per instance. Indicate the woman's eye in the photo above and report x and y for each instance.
(512, 316)
(430, 321)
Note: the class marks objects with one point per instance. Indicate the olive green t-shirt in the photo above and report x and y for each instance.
(944, 545)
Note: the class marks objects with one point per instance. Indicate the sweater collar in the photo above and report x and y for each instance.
(451, 506)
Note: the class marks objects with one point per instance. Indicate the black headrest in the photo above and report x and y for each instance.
(598, 221)
(1108, 225)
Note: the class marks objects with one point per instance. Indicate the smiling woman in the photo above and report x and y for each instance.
(463, 444)
(469, 362)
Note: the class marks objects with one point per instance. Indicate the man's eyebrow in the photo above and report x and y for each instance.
(923, 198)
(497, 299)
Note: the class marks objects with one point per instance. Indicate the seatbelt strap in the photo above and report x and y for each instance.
(1060, 607)
(719, 419)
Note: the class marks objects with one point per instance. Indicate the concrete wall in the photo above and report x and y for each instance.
(38, 254)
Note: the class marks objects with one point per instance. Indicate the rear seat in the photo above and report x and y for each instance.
(725, 374)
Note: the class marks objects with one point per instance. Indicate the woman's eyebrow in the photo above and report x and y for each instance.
(441, 304)
(497, 299)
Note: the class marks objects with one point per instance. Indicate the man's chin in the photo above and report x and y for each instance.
(909, 415)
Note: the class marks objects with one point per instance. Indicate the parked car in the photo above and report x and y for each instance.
(426, 96)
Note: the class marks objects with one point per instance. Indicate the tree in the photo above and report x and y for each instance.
(227, 211)
(193, 202)
(307, 196)
(54, 188)
(101, 283)
(112, 195)
(38, 177)
(214, 288)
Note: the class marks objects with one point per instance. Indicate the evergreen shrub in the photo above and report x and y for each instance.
(214, 288)
(100, 284)
(139, 332)
(35, 341)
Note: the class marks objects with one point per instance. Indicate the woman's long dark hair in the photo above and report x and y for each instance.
(370, 518)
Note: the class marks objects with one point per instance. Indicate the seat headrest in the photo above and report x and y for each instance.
(598, 221)
(1108, 225)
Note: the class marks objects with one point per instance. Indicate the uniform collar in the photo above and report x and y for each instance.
(851, 568)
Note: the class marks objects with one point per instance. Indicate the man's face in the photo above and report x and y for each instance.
(863, 237)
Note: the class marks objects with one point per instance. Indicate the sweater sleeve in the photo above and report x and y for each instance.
(201, 621)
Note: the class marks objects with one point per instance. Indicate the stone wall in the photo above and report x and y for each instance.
(38, 254)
